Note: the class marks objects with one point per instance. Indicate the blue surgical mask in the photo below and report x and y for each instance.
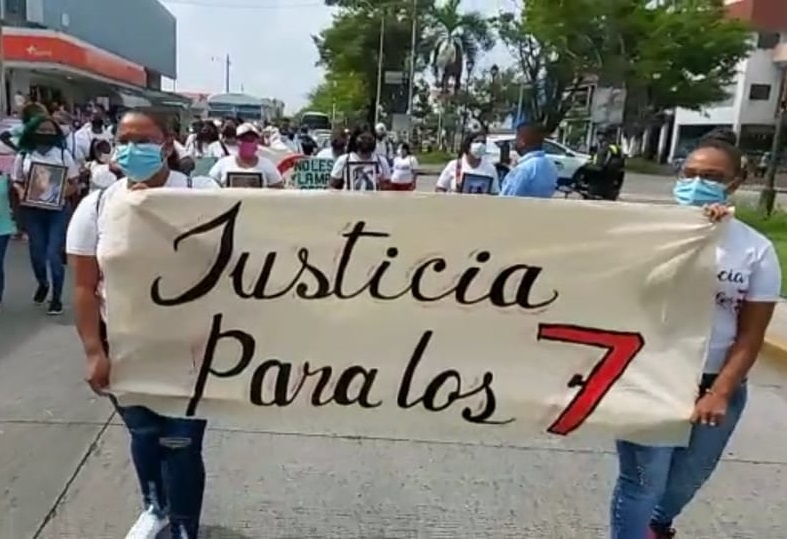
(139, 162)
(698, 192)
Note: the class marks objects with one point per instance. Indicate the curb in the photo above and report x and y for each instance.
(775, 349)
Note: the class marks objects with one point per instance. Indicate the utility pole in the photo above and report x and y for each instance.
(227, 64)
(380, 53)
(411, 76)
(768, 194)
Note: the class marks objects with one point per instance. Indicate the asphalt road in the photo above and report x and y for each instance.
(65, 471)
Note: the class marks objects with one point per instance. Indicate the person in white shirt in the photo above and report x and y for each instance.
(361, 168)
(101, 173)
(471, 161)
(655, 484)
(175, 497)
(405, 170)
(384, 147)
(94, 129)
(66, 122)
(229, 133)
(43, 143)
(247, 160)
(206, 143)
(336, 149)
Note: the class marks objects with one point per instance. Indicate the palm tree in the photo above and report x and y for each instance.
(457, 39)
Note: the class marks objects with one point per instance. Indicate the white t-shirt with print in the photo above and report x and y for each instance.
(404, 169)
(448, 178)
(270, 174)
(359, 177)
(88, 226)
(747, 269)
(55, 156)
(214, 149)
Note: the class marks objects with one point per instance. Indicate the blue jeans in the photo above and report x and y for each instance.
(3, 246)
(167, 456)
(655, 483)
(46, 231)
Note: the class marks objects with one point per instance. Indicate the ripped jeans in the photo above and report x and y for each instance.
(167, 455)
(655, 483)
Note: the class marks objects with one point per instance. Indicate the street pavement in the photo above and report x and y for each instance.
(65, 470)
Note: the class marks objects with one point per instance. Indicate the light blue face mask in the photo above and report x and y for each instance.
(139, 162)
(698, 192)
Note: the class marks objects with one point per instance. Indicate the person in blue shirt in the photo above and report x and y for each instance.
(534, 175)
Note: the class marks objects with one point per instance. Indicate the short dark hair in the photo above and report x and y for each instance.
(163, 121)
(26, 139)
(724, 134)
(734, 155)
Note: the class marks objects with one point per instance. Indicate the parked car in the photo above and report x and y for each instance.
(568, 162)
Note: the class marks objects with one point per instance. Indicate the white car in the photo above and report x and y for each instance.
(567, 161)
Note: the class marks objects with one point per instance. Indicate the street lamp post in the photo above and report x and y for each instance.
(411, 77)
(768, 194)
(380, 52)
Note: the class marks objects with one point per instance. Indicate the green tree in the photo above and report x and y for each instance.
(351, 44)
(345, 96)
(681, 53)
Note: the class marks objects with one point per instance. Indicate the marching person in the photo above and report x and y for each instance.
(101, 172)
(43, 143)
(206, 143)
(229, 132)
(336, 149)
(471, 160)
(7, 226)
(361, 168)
(11, 137)
(655, 484)
(247, 160)
(166, 451)
(405, 170)
(384, 147)
(534, 175)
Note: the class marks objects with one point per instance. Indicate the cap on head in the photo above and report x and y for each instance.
(380, 128)
(247, 128)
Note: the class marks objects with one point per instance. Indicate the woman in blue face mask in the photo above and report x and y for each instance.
(45, 176)
(166, 451)
(655, 484)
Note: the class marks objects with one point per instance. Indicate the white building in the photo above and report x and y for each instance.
(754, 100)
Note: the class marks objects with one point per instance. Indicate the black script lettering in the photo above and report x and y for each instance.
(357, 232)
(282, 396)
(226, 245)
(525, 289)
(322, 289)
(428, 399)
(729, 276)
(247, 345)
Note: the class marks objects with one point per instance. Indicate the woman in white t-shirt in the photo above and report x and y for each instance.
(98, 166)
(361, 169)
(46, 209)
(229, 134)
(206, 143)
(248, 161)
(656, 483)
(175, 497)
(473, 165)
(405, 170)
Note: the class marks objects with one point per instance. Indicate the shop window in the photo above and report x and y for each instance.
(16, 11)
(760, 92)
(767, 40)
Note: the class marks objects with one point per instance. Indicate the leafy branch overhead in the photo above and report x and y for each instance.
(682, 53)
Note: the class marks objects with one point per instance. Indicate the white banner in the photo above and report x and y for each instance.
(430, 316)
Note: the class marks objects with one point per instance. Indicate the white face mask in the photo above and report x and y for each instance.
(478, 149)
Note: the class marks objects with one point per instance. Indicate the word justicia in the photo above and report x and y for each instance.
(282, 382)
(512, 286)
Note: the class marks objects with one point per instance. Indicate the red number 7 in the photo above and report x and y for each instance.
(621, 349)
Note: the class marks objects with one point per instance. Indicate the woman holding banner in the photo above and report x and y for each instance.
(166, 451)
(655, 484)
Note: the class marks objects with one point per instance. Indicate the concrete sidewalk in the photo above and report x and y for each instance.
(775, 346)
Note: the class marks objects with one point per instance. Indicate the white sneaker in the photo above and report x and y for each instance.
(147, 526)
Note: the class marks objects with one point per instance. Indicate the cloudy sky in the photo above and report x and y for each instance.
(269, 44)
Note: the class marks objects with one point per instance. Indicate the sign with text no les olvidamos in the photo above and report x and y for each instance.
(377, 316)
(312, 173)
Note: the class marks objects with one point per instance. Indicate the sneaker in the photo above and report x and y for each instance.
(55, 308)
(41, 293)
(148, 526)
(664, 533)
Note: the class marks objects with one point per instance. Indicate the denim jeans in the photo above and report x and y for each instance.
(46, 230)
(3, 247)
(167, 456)
(655, 483)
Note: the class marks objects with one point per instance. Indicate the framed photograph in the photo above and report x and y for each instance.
(475, 184)
(45, 186)
(362, 176)
(246, 180)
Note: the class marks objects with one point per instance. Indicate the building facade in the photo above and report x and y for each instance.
(84, 51)
(751, 109)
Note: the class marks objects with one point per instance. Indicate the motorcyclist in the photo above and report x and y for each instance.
(606, 170)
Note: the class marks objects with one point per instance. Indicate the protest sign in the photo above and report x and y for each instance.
(377, 316)
(312, 173)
